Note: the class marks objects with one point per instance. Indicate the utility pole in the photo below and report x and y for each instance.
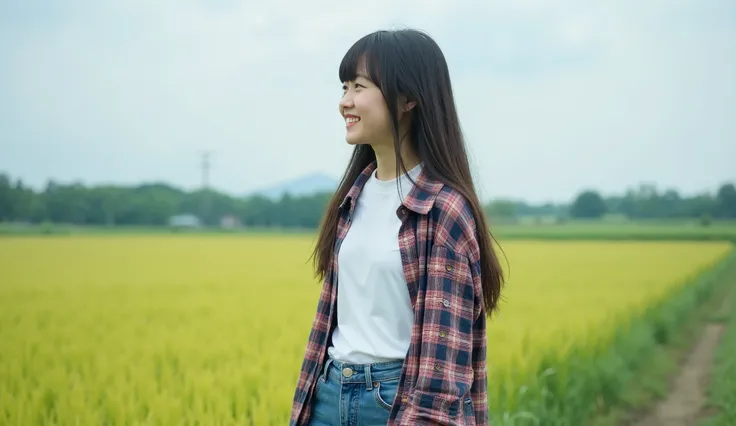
(205, 206)
(206, 169)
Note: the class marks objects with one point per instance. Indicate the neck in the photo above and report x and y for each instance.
(386, 160)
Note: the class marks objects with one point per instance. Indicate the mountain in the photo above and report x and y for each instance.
(301, 186)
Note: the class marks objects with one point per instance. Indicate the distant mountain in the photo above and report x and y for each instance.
(301, 186)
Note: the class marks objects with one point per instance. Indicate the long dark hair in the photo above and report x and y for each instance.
(409, 62)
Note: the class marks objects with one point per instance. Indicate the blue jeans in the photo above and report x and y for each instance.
(355, 394)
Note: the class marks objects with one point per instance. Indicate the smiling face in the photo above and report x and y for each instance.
(367, 119)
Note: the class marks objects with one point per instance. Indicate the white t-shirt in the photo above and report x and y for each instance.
(374, 312)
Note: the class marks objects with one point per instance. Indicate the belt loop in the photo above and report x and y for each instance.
(368, 380)
(327, 368)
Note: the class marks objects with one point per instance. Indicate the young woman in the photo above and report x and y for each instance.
(409, 272)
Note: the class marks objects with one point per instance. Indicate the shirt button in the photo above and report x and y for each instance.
(347, 372)
(405, 399)
(448, 267)
(437, 367)
(443, 333)
(446, 303)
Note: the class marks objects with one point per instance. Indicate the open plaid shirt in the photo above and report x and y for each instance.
(444, 377)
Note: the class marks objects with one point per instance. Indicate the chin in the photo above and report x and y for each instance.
(352, 140)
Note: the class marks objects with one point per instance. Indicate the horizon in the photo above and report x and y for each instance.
(279, 185)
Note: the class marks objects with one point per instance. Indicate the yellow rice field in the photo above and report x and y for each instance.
(149, 330)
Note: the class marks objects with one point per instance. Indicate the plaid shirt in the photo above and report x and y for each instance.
(444, 378)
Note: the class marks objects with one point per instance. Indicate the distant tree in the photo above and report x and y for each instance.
(588, 205)
(7, 201)
(501, 209)
(669, 204)
(614, 204)
(699, 205)
(726, 201)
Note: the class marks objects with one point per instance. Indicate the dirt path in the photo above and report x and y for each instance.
(682, 406)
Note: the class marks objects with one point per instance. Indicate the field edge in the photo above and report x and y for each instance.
(626, 374)
(720, 406)
(654, 378)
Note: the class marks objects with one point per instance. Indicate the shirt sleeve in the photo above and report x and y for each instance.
(446, 355)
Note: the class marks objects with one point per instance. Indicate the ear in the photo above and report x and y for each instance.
(405, 105)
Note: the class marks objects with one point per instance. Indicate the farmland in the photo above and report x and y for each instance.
(210, 329)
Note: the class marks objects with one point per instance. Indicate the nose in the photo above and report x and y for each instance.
(346, 102)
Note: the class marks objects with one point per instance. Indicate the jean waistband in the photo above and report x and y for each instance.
(346, 372)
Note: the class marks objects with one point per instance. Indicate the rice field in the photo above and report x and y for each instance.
(173, 330)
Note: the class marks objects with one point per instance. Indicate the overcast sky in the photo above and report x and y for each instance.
(554, 96)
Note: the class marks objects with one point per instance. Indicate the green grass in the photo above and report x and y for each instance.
(721, 390)
(575, 230)
(625, 374)
(601, 230)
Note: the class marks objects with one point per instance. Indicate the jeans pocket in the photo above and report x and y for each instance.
(385, 393)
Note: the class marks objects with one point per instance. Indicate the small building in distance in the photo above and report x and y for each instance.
(184, 221)
(229, 222)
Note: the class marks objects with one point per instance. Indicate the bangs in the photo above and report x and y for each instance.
(362, 58)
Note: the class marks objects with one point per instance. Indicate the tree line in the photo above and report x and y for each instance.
(646, 202)
(155, 204)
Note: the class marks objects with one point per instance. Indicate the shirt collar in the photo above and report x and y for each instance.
(420, 198)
